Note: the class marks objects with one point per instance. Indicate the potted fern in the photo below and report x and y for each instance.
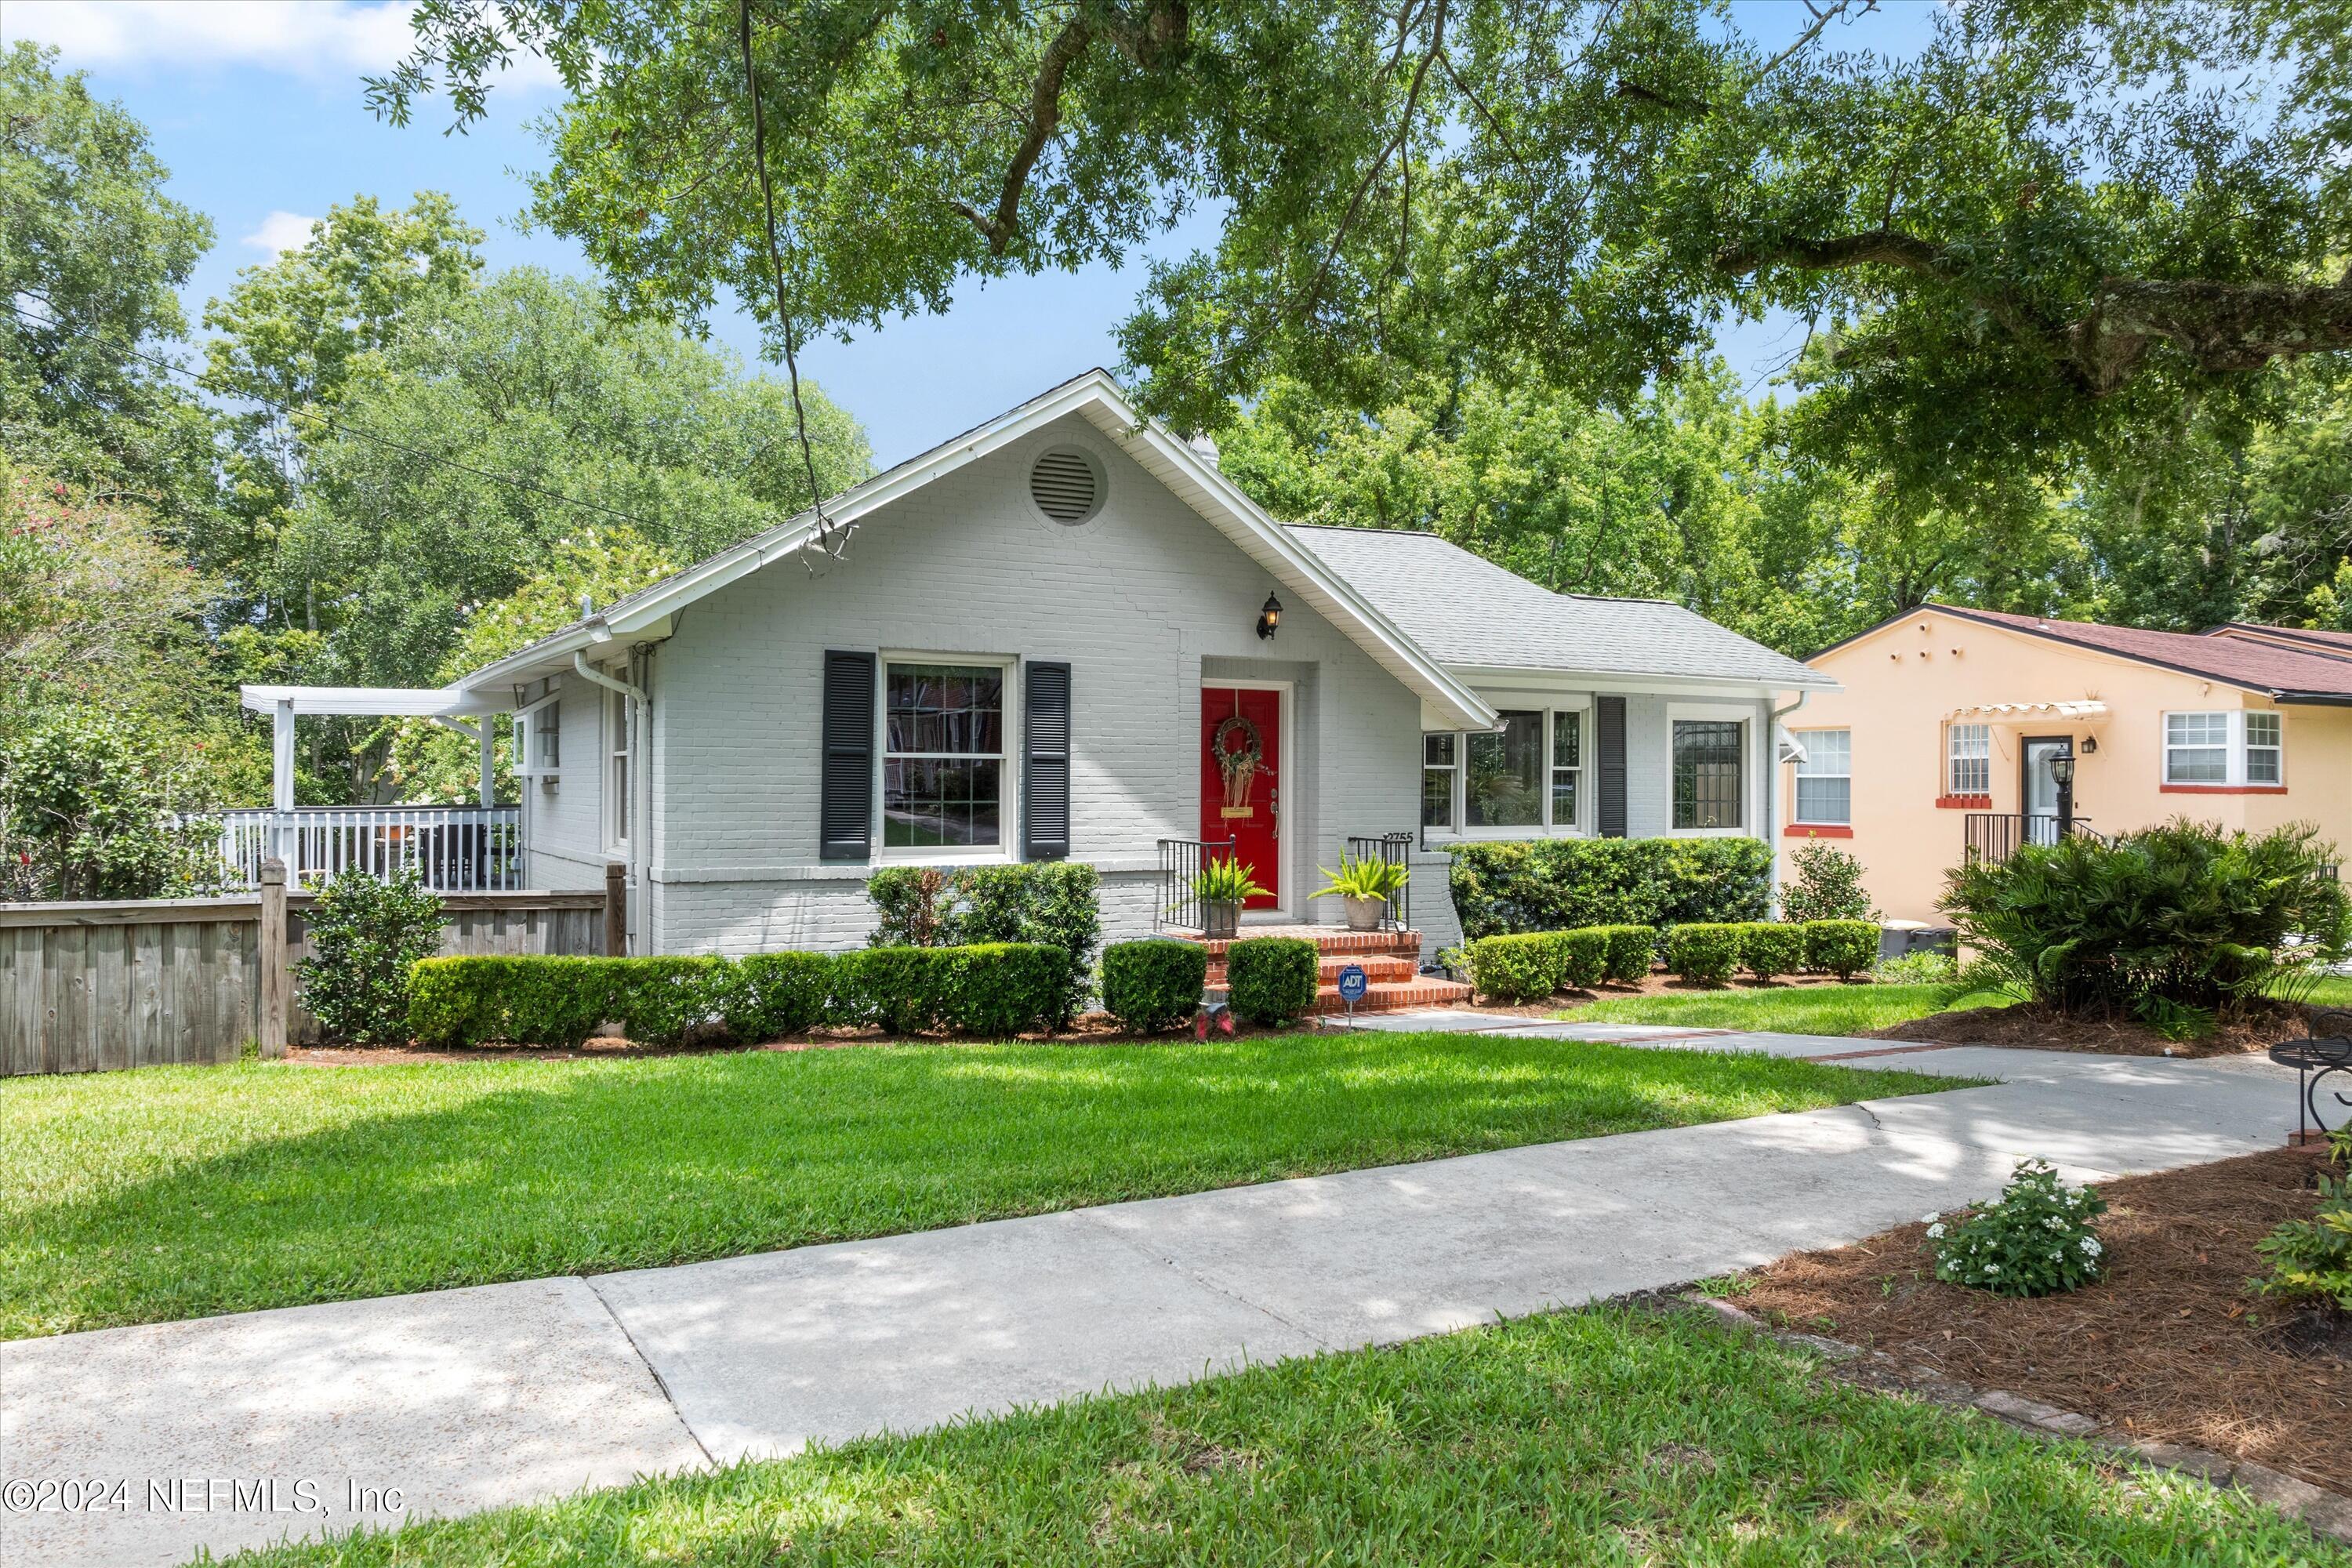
(1220, 886)
(1368, 884)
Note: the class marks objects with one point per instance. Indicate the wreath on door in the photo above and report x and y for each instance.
(1238, 763)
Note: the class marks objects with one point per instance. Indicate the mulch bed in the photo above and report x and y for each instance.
(2036, 1028)
(2170, 1347)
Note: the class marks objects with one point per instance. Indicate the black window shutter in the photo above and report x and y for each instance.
(1609, 741)
(1045, 771)
(846, 809)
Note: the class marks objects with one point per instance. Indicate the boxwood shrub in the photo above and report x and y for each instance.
(1569, 884)
(1631, 952)
(1770, 949)
(1058, 902)
(1705, 953)
(1843, 948)
(771, 994)
(1271, 979)
(999, 988)
(1584, 958)
(536, 1001)
(1153, 984)
(1516, 968)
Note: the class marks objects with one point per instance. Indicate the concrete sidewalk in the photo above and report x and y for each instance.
(466, 1399)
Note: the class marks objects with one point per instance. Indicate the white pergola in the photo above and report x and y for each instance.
(446, 706)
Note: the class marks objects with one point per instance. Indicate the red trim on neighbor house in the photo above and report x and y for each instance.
(1816, 830)
(2221, 789)
(1964, 803)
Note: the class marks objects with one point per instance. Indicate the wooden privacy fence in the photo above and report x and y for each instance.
(89, 987)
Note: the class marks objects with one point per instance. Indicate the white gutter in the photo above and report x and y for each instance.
(640, 776)
(1772, 749)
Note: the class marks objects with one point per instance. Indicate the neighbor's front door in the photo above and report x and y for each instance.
(1240, 781)
(2041, 790)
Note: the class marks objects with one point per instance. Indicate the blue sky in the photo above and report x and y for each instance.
(255, 106)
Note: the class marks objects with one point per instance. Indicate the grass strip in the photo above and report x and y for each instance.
(1604, 1436)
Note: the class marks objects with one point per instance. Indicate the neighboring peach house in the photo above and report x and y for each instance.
(1941, 737)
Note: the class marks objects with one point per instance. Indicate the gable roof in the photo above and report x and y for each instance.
(2281, 673)
(2337, 644)
(1093, 396)
(1470, 613)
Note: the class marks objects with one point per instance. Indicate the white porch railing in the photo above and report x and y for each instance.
(451, 848)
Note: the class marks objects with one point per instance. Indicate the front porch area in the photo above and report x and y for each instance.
(1390, 960)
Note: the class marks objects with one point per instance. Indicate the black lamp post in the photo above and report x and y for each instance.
(2062, 774)
(1269, 617)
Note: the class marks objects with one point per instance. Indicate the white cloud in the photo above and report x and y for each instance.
(281, 232)
(321, 38)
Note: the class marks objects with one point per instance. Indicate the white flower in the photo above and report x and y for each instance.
(2091, 1247)
(1931, 1216)
(1936, 1231)
(1992, 1268)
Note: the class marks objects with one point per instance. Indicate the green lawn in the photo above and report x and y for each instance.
(176, 1192)
(1604, 1436)
(1823, 1009)
(1793, 1009)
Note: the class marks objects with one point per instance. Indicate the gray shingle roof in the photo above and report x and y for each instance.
(1466, 610)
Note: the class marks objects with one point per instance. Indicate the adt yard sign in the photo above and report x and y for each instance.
(1351, 989)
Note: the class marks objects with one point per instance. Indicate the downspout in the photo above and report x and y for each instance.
(638, 826)
(1771, 783)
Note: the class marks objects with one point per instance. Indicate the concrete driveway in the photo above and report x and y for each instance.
(234, 1431)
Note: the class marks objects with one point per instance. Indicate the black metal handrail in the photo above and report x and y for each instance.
(1998, 834)
(1181, 861)
(1395, 849)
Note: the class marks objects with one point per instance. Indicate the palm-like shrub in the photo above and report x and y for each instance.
(2169, 925)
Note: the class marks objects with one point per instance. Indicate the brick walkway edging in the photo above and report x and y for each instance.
(2328, 1513)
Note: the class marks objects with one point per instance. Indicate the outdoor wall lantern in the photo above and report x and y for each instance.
(2090, 745)
(1269, 617)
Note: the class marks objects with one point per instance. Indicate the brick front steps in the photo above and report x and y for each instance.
(1391, 962)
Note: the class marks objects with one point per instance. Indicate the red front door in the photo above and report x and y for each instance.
(1240, 781)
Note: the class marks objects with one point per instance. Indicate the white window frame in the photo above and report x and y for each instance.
(1953, 757)
(1453, 772)
(1456, 832)
(1008, 775)
(2235, 749)
(1797, 790)
(1751, 771)
(617, 766)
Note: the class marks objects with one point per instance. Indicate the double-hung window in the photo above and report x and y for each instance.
(2228, 749)
(1825, 779)
(547, 737)
(1567, 768)
(1438, 770)
(1503, 786)
(1706, 772)
(1968, 759)
(944, 761)
(617, 768)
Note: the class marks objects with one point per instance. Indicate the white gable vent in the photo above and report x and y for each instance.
(1068, 485)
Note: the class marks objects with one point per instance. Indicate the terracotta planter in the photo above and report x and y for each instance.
(1366, 914)
(1221, 918)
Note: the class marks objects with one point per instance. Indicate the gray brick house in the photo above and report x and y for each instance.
(1067, 634)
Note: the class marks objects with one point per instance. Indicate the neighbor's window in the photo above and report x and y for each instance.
(943, 755)
(617, 768)
(1438, 771)
(2197, 748)
(1567, 766)
(1706, 772)
(2264, 755)
(1968, 764)
(1504, 785)
(1825, 778)
(547, 736)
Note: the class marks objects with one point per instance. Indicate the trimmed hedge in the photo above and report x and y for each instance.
(1153, 984)
(1569, 884)
(1770, 949)
(1272, 979)
(1584, 958)
(1516, 968)
(1631, 950)
(987, 988)
(1705, 953)
(1843, 948)
(1056, 902)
